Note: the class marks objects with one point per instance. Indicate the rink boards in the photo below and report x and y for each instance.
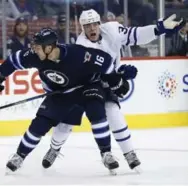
(158, 97)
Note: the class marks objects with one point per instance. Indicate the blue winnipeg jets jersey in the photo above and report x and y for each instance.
(76, 66)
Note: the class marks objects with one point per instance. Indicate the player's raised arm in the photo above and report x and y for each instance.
(146, 34)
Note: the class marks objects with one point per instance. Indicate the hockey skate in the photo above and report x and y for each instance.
(110, 162)
(14, 163)
(132, 160)
(50, 157)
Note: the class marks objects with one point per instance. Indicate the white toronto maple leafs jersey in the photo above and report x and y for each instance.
(114, 35)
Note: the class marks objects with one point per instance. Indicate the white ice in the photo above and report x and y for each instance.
(163, 153)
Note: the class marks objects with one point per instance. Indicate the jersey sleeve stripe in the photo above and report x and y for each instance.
(110, 68)
(135, 36)
(11, 60)
(18, 60)
(129, 34)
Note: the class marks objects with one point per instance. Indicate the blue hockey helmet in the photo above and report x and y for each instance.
(45, 36)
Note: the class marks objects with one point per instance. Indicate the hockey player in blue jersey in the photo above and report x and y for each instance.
(61, 68)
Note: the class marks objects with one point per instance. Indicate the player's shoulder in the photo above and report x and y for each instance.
(77, 49)
(72, 50)
(27, 53)
(23, 58)
(80, 49)
(27, 57)
(81, 38)
(63, 47)
(110, 26)
(112, 29)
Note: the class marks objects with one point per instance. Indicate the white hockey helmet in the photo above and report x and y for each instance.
(89, 16)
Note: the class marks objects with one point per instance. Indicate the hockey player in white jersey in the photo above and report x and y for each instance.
(109, 37)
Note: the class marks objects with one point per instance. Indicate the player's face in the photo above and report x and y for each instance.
(39, 49)
(92, 31)
(49, 52)
(48, 49)
(40, 52)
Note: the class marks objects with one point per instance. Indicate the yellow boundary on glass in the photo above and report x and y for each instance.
(141, 121)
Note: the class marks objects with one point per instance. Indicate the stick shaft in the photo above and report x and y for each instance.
(29, 99)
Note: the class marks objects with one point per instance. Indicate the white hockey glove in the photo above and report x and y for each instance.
(169, 25)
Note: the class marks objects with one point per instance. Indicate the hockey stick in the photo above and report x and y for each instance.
(30, 99)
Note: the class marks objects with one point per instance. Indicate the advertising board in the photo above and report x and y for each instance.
(158, 97)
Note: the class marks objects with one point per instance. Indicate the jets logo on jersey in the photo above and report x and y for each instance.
(56, 77)
(87, 57)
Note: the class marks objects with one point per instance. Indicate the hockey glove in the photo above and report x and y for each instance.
(122, 89)
(112, 80)
(169, 25)
(128, 72)
(117, 85)
(2, 79)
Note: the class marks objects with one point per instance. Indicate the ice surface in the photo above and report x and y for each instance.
(163, 153)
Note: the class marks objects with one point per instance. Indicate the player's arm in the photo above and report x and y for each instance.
(146, 34)
(16, 61)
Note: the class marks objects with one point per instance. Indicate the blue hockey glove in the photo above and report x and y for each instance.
(2, 79)
(127, 71)
(169, 25)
